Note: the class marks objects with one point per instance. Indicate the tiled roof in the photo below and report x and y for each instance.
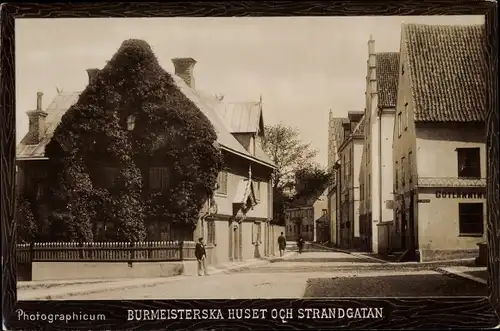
(446, 66)
(241, 117)
(387, 65)
(64, 101)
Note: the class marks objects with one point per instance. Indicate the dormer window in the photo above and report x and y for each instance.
(130, 123)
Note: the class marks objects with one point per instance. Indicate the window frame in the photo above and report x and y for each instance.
(222, 177)
(211, 237)
(160, 184)
(467, 216)
(400, 124)
(462, 156)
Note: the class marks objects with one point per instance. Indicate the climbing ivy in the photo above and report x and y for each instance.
(169, 131)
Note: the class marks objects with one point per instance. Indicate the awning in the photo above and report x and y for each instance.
(245, 194)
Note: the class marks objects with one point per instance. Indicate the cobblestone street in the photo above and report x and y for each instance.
(311, 274)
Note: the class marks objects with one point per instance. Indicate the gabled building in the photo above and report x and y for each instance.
(335, 138)
(304, 216)
(439, 150)
(376, 173)
(236, 221)
(350, 152)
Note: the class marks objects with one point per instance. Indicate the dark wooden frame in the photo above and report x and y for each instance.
(462, 312)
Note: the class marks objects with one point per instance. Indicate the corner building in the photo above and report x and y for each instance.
(439, 154)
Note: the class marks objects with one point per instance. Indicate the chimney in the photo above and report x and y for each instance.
(37, 126)
(92, 72)
(184, 69)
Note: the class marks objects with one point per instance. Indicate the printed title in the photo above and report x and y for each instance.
(282, 314)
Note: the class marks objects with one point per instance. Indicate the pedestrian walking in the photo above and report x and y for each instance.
(201, 256)
(282, 244)
(300, 244)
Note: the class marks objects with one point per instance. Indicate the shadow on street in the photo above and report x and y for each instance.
(393, 286)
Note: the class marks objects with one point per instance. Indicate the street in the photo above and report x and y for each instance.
(313, 274)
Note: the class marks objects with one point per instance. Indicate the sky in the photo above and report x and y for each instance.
(302, 66)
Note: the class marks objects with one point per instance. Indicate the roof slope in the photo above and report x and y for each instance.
(387, 72)
(55, 110)
(64, 101)
(446, 66)
(241, 117)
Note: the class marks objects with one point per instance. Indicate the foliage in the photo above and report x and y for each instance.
(26, 226)
(169, 131)
(287, 151)
(310, 181)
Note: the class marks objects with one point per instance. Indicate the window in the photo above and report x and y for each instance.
(211, 232)
(325, 211)
(407, 116)
(396, 182)
(256, 188)
(410, 167)
(400, 124)
(369, 185)
(402, 69)
(311, 212)
(158, 178)
(403, 164)
(222, 183)
(471, 219)
(469, 164)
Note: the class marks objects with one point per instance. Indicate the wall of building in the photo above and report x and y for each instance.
(236, 173)
(332, 214)
(404, 142)
(320, 206)
(439, 237)
(437, 144)
(356, 165)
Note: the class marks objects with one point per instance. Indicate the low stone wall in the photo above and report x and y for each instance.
(106, 270)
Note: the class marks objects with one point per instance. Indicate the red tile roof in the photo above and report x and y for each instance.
(446, 66)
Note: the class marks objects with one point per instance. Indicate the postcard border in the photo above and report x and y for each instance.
(11, 11)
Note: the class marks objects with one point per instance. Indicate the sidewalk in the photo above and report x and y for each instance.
(48, 290)
(375, 257)
(477, 274)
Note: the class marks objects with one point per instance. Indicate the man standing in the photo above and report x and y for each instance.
(201, 255)
(282, 244)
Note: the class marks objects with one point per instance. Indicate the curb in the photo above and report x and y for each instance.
(362, 256)
(456, 273)
(107, 286)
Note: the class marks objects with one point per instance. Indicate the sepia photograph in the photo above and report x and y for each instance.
(246, 158)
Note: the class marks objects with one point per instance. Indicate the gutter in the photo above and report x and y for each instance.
(248, 157)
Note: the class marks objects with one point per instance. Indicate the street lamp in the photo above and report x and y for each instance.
(130, 122)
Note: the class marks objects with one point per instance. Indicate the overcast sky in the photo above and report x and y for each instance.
(302, 66)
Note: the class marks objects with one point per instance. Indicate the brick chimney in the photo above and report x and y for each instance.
(184, 69)
(37, 126)
(92, 72)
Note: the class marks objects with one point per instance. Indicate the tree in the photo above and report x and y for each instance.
(168, 129)
(311, 180)
(289, 153)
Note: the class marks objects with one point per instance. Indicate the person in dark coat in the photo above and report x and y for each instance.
(201, 256)
(282, 244)
(300, 244)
